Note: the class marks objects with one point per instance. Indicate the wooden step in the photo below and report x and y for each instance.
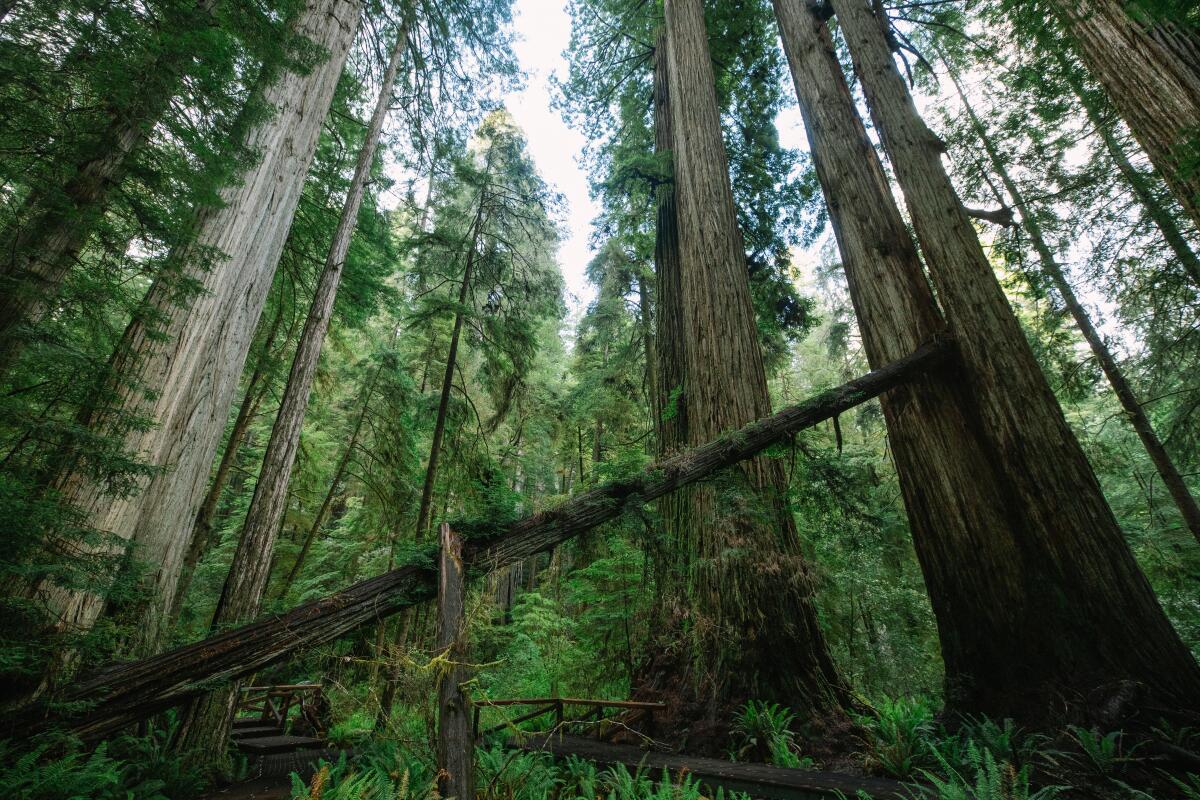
(255, 732)
(266, 745)
(248, 722)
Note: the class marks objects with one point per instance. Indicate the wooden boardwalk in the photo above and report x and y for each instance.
(756, 780)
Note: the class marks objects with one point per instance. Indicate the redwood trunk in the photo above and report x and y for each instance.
(201, 537)
(1135, 412)
(747, 585)
(1156, 210)
(181, 357)
(127, 692)
(206, 727)
(1084, 617)
(1152, 84)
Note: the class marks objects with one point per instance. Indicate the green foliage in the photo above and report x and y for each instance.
(899, 737)
(983, 779)
(765, 733)
(127, 768)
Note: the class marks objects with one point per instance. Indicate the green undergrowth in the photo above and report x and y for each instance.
(387, 770)
(125, 768)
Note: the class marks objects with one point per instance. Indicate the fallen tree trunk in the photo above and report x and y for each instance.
(125, 693)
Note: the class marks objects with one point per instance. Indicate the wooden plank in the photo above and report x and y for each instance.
(456, 743)
(255, 732)
(265, 745)
(572, 701)
(756, 780)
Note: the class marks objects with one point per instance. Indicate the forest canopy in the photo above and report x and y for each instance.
(863, 443)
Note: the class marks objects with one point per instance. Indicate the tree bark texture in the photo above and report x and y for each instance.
(126, 692)
(181, 358)
(1153, 86)
(206, 728)
(455, 743)
(201, 537)
(1140, 184)
(45, 239)
(1084, 616)
(1135, 412)
(747, 584)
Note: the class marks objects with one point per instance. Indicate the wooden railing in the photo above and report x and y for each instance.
(273, 704)
(557, 706)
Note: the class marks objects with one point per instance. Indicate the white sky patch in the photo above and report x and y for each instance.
(544, 31)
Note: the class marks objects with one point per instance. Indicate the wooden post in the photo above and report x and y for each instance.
(456, 745)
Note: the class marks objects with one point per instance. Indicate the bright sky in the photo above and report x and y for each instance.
(544, 28)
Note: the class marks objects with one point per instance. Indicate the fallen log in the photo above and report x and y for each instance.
(123, 693)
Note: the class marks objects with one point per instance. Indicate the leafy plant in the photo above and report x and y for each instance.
(898, 737)
(1102, 752)
(988, 779)
(764, 731)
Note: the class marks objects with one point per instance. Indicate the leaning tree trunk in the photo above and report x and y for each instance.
(1135, 412)
(1085, 617)
(127, 692)
(953, 495)
(747, 583)
(1153, 86)
(205, 730)
(202, 535)
(1140, 184)
(181, 357)
(45, 239)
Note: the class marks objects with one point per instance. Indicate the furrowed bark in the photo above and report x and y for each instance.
(181, 357)
(1086, 619)
(1135, 412)
(1140, 184)
(963, 534)
(127, 692)
(746, 582)
(45, 241)
(1152, 84)
(205, 729)
(202, 532)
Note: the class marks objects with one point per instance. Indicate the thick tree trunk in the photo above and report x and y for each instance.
(956, 507)
(44, 241)
(747, 585)
(1084, 617)
(1133, 408)
(205, 729)
(1155, 209)
(179, 361)
(127, 692)
(1152, 85)
(201, 537)
(455, 742)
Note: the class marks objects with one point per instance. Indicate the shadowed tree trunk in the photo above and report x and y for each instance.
(1152, 85)
(1134, 411)
(205, 729)
(125, 692)
(180, 359)
(745, 584)
(48, 233)
(1084, 619)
